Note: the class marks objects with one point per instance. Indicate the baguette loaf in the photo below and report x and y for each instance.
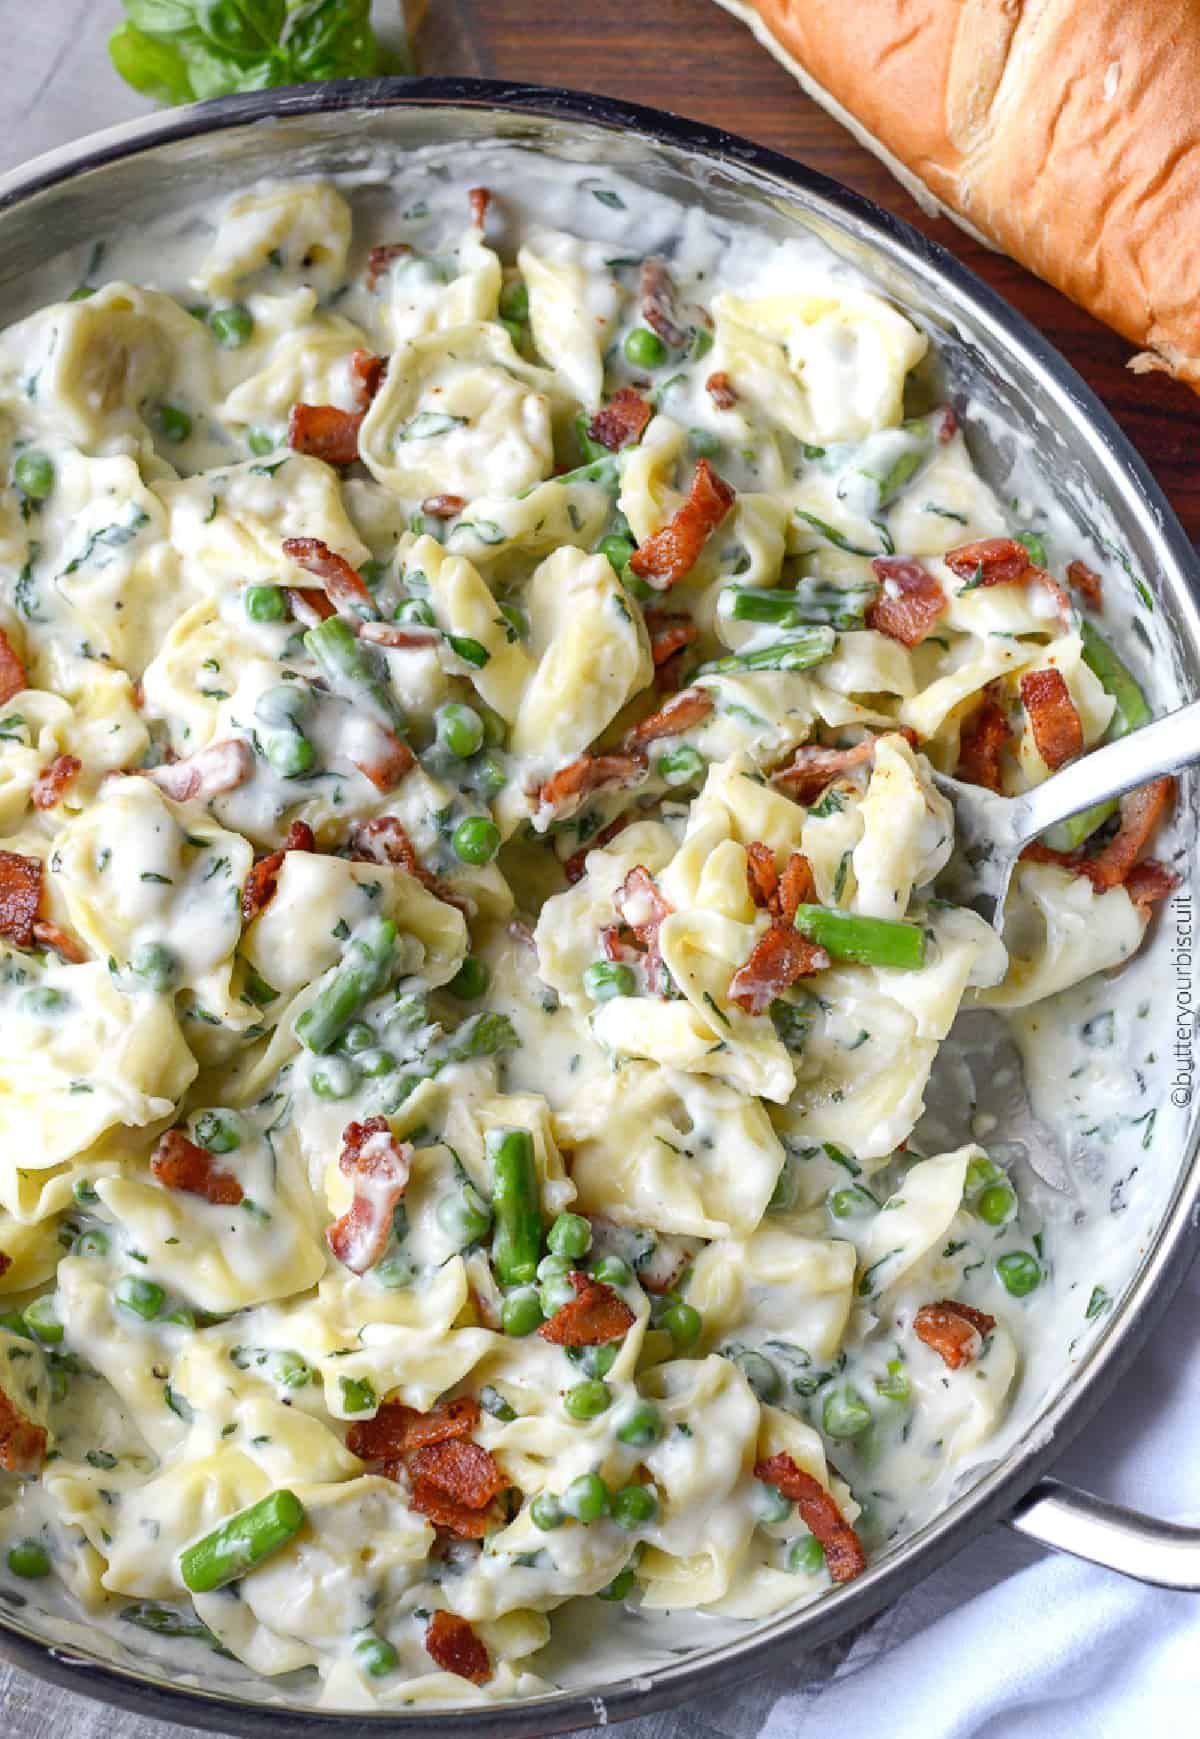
(1065, 132)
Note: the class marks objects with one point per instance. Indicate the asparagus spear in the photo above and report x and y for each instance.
(869, 941)
(516, 1206)
(808, 647)
(361, 974)
(334, 646)
(242, 1542)
(813, 601)
(1130, 713)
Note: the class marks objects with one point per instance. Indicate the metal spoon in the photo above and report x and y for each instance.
(991, 831)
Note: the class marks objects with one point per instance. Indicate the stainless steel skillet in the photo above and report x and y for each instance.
(1007, 377)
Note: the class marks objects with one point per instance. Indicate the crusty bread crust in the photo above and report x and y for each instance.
(1067, 131)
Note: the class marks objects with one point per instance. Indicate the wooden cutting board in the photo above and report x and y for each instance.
(689, 56)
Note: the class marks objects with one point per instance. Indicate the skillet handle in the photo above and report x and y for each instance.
(1164, 1553)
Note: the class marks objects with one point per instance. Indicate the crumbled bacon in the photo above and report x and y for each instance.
(1113, 865)
(400, 636)
(819, 1513)
(909, 601)
(460, 1468)
(814, 766)
(642, 908)
(956, 1332)
(388, 765)
(12, 672)
(345, 587)
(309, 605)
(683, 712)
(259, 888)
(565, 791)
(22, 1443)
(1002, 561)
(446, 1515)
(384, 840)
(49, 935)
(452, 1645)
(443, 506)
(1148, 882)
(672, 674)
(947, 425)
(181, 1164)
(622, 420)
(1053, 718)
(1087, 583)
(762, 878)
(982, 743)
(673, 550)
(669, 633)
(796, 886)
(381, 257)
(595, 1316)
(324, 432)
(480, 198)
(20, 897)
(779, 957)
(367, 374)
(52, 782)
(720, 391)
(208, 773)
(380, 1166)
(656, 291)
(575, 867)
(396, 1430)
(778, 895)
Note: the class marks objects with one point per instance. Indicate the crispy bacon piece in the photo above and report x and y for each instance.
(66, 947)
(22, 1443)
(595, 1316)
(575, 867)
(762, 878)
(956, 1332)
(480, 198)
(779, 957)
(387, 767)
(180, 1164)
(380, 1166)
(673, 550)
(460, 1468)
(775, 894)
(642, 908)
(443, 506)
(656, 291)
(565, 791)
(259, 889)
(982, 743)
(1113, 865)
(1087, 583)
(452, 1645)
(685, 710)
(622, 420)
(813, 766)
(1150, 881)
(384, 840)
(309, 605)
(381, 257)
(367, 374)
(20, 897)
(344, 587)
(669, 633)
(948, 426)
(819, 1513)
(671, 675)
(396, 1430)
(438, 1507)
(324, 432)
(399, 636)
(909, 600)
(52, 782)
(12, 672)
(208, 773)
(720, 391)
(1002, 561)
(796, 886)
(1056, 725)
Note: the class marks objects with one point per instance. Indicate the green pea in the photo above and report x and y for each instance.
(174, 423)
(570, 1235)
(604, 979)
(460, 728)
(760, 1373)
(588, 1400)
(231, 326)
(553, 1267)
(514, 300)
(284, 706)
(374, 1064)
(375, 1656)
(85, 1192)
(554, 1294)
(617, 549)
(156, 964)
(333, 1078)
(612, 1270)
(290, 754)
(599, 1361)
(44, 1003)
(264, 603)
(619, 1587)
(806, 1555)
(996, 1205)
(634, 1506)
(29, 1558)
(33, 475)
(260, 442)
(358, 1395)
(417, 611)
(476, 840)
(93, 1242)
(495, 726)
(683, 1323)
(488, 775)
(1019, 1272)
(640, 1428)
(357, 1037)
(844, 1413)
(850, 1203)
(521, 1313)
(703, 444)
(586, 1498)
(43, 1318)
(702, 343)
(980, 1173)
(644, 349)
(395, 1272)
(895, 1386)
(493, 1402)
(144, 1298)
(409, 1011)
(218, 1131)
(289, 1370)
(682, 766)
(471, 979)
(545, 1512)
(464, 1216)
(771, 1505)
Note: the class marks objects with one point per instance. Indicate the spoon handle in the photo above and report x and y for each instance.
(1163, 746)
